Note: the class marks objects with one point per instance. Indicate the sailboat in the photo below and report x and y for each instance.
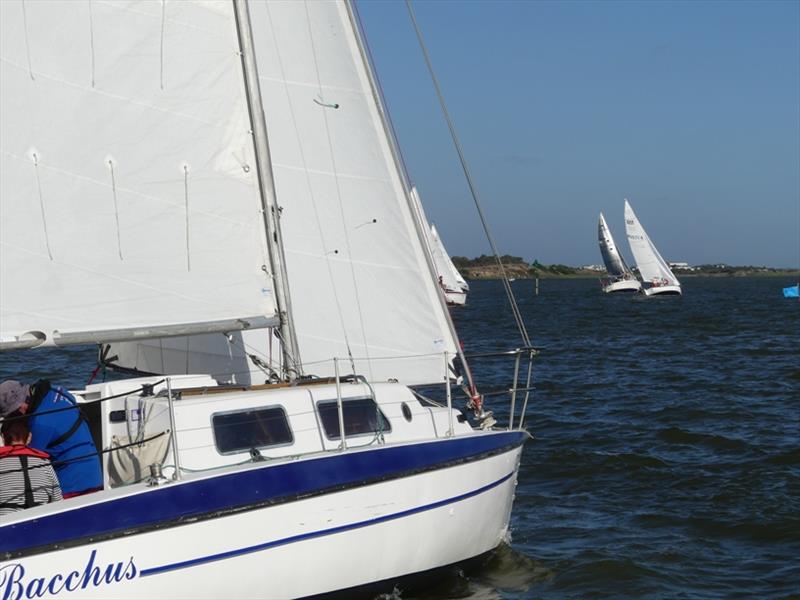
(223, 169)
(453, 285)
(652, 268)
(621, 279)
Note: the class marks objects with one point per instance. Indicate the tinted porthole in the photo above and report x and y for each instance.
(406, 411)
(245, 429)
(361, 416)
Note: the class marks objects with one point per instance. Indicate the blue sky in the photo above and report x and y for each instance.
(691, 110)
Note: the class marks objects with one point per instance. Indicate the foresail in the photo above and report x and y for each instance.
(359, 277)
(652, 267)
(240, 357)
(129, 205)
(614, 263)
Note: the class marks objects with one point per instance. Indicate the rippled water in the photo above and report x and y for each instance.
(666, 458)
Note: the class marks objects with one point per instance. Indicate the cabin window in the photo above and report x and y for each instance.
(243, 430)
(361, 416)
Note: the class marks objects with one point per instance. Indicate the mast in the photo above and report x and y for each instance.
(419, 227)
(292, 366)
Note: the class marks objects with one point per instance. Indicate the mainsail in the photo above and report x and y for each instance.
(615, 264)
(127, 175)
(651, 266)
(362, 286)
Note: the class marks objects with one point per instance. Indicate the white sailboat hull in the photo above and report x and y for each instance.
(663, 290)
(346, 539)
(455, 298)
(626, 285)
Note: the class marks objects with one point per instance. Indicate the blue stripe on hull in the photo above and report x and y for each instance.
(177, 503)
(315, 534)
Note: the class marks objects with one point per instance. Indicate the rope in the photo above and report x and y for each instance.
(85, 456)
(73, 407)
(473, 190)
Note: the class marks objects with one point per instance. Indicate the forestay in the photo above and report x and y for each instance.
(615, 265)
(129, 204)
(652, 267)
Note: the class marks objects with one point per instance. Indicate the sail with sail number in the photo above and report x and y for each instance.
(652, 267)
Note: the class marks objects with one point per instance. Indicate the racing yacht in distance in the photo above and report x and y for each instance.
(620, 278)
(652, 267)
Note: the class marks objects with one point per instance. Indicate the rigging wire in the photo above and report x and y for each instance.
(473, 190)
(380, 99)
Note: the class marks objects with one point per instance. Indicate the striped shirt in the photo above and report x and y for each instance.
(26, 479)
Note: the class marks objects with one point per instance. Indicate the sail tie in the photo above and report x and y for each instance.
(325, 104)
(110, 162)
(91, 37)
(27, 42)
(161, 51)
(186, 204)
(35, 157)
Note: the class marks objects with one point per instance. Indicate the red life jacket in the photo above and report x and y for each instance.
(21, 450)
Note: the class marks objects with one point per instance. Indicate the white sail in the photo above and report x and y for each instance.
(126, 174)
(359, 277)
(615, 264)
(451, 278)
(651, 266)
(447, 275)
(360, 281)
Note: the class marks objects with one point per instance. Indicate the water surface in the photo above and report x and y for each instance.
(666, 458)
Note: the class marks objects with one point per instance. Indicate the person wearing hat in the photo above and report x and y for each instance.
(26, 476)
(59, 428)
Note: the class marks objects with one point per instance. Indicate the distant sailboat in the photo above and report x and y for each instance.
(652, 267)
(620, 278)
(450, 280)
(455, 288)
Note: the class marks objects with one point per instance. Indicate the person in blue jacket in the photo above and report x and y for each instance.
(59, 428)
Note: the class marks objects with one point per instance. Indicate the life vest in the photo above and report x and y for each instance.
(22, 450)
(23, 453)
(59, 427)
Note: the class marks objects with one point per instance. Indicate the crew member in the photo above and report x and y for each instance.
(26, 476)
(59, 428)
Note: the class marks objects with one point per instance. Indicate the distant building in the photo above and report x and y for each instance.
(681, 266)
(593, 268)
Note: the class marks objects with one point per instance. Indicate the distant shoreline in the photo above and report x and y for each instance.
(515, 267)
(486, 273)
